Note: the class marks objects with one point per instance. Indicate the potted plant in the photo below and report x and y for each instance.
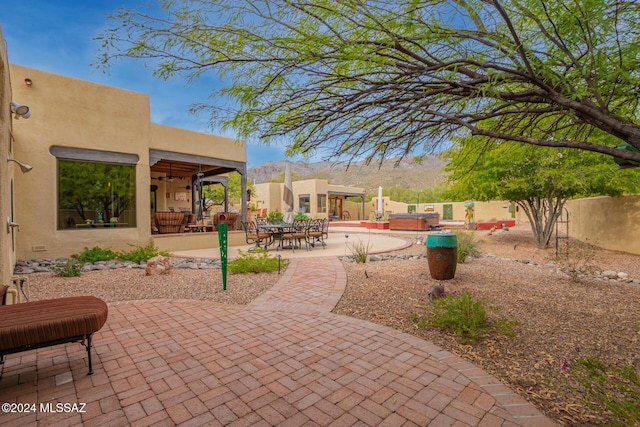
(275, 217)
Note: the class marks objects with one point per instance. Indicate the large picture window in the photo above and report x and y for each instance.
(94, 195)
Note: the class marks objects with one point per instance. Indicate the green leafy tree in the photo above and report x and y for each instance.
(410, 196)
(539, 180)
(384, 78)
(214, 193)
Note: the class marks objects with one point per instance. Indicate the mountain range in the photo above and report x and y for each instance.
(410, 173)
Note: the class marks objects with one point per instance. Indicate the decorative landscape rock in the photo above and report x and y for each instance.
(606, 275)
(159, 265)
(43, 265)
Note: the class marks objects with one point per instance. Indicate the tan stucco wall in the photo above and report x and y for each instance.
(390, 207)
(268, 196)
(483, 211)
(7, 170)
(190, 241)
(355, 210)
(608, 222)
(74, 113)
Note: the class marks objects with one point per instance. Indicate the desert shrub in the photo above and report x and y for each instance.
(576, 260)
(94, 254)
(468, 246)
(461, 314)
(608, 389)
(141, 253)
(255, 262)
(466, 317)
(69, 268)
(360, 251)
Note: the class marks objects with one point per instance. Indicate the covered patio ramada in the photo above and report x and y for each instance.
(182, 177)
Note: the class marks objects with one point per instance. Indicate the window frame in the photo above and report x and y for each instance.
(322, 206)
(86, 156)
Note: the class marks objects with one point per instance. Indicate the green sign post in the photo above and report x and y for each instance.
(222, 238)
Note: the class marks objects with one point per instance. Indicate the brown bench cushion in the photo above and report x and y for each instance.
(38, 322)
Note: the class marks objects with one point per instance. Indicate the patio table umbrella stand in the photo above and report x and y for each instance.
(287, 195)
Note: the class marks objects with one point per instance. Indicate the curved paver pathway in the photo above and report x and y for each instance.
(283, 360)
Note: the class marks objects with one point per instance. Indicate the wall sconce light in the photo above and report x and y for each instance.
(23, 167)
(20, 110)
(28, 81)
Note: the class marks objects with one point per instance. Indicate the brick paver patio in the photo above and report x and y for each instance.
(283, 360)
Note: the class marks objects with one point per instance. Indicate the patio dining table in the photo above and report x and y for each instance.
(277, 231)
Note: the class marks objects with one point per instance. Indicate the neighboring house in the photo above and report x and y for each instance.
(101, 168)
(315, 197)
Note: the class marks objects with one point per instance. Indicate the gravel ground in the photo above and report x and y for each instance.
(131, 284)
(559, 320)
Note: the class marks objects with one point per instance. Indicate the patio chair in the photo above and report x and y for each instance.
(228, 218)
(169, 222)
(189, 222)
(315, 233)
(298, 233)
(255, 236)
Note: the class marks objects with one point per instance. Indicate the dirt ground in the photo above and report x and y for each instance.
(560, 322)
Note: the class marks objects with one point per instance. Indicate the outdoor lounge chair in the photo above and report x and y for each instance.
(37, 324)
(254, 236)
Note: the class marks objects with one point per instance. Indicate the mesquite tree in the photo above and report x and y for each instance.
(539, 180)
(378, 79)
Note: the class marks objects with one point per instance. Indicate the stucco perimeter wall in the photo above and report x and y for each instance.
(483, 211)
(608, 222)
(7, 170)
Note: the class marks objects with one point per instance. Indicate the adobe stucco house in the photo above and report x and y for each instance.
(100, 167)
(315, 197)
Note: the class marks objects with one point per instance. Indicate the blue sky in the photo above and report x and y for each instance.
(57, 36)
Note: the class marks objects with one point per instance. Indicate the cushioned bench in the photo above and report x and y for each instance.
(37, 324)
